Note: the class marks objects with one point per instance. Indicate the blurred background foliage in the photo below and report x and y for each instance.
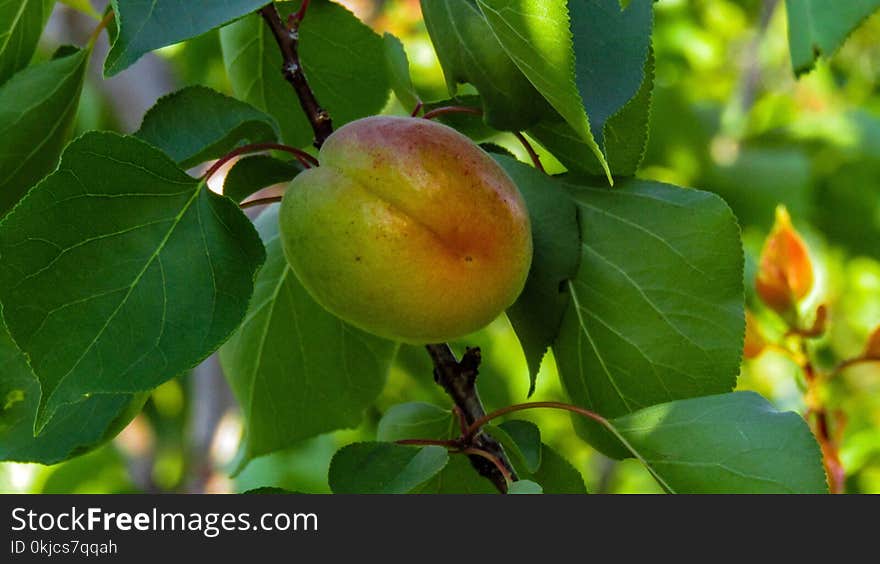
(728, 116)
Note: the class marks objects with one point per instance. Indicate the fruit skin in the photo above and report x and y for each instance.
(407, 230)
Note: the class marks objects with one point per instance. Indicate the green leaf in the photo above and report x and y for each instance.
(611, 49)
(625, 135)
(384, 468)
(471, 125)
(537, 37)
(81, 426)
(458, 477)
(556, 474)
(340, 56)
(730, 443)
(525, 487)
(256, 172)
(398, 72)
(37, 111)
(537, 313)
(521, 442)
(657, 305)
(819, 27)
(469, 53)
(120, 271)
(416, 420)
(145, 26)
(21, 24)
(296, 370)
(197, 124)
(268, 491)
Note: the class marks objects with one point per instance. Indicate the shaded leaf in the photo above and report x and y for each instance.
(556, 474)
(340, 55)
(537, 313)
(37, 111)
(730, 443)
(625, 135)
(522, 443)
(197, 124)
(78, 428)
(537, 37)
(374, 468)
(296, 370)
(21, 24)
(819, 27)
(398, 72)
(657, 305)
(416, 420)
(256, 172)
(145, 26)
(458, 477)
(170, 270)
(469, 52)
(525, 487)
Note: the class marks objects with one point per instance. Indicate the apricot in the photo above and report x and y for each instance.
(408, 230)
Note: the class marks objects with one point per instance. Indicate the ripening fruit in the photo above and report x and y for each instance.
(407, 230)
(785, 273)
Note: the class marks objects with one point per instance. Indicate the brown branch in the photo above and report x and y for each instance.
(446, 110)
(458, 379)
(288, 42)
(260, 202)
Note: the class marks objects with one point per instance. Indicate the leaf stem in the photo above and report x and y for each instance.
(536, 160)
(478, 424)
(304, 158)
(446, 110)
(505, 472)
(260, 202)
(102, 25)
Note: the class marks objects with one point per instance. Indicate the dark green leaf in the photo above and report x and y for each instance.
(657, 306)
(848, 207)
(556, 474)
(398, 72)
(469, 53)
(197, 124)
(525, 487)
(527, 438)
(537, 313)
(625, 135)
(254, 173)
(387, 468)
(37, 111)
(536, 36)
(145, 26)
(458, 477)
(296, 370)
(416, 420)
(21, 24)
(340, 56)
(120, 271)
(526, 455)
(77, 428)
(819, 27)
(471, 125)
(730, 443)
(268, 491)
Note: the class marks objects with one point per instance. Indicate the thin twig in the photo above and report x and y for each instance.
(288, 42)
(851, 362)
(446, 110)
(478, 424)
(304, 158)
(496, 461)
(417, 109)
(536, 160)
(260, 202)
